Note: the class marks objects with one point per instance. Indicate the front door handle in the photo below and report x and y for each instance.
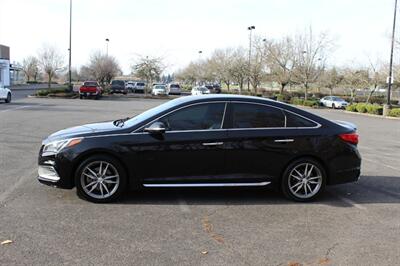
(283, 140)
(212, 143)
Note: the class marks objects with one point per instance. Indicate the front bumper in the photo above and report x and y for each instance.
(55, 170)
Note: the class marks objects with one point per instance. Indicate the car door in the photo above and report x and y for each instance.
(190, 151)
(259, 143)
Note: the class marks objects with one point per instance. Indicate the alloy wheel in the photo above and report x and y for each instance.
(305, 180)
(100, 179)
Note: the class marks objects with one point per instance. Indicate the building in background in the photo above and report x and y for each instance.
(4, 66)
(10, 74)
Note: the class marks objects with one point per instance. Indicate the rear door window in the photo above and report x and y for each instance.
(244, 115)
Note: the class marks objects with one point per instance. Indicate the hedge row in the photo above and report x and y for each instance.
(395, 112)
(375, 109)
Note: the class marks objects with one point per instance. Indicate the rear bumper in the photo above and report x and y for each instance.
(345, 168)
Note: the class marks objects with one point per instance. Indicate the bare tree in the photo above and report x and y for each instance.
(148, 68)
(258, 65)
(101, 67)
(281, 58)
(220, 65)
(30, 67)
(311, 55)
(50, 61)
(377, 77)
(239, 68)
(356, 79)
(331, 79)
(189, 74)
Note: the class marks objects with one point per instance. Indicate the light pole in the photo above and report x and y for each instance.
(107, 41)
(386, 108)
(69, 50)
(250, 28)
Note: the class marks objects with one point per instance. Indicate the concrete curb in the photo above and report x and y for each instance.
(372, 115)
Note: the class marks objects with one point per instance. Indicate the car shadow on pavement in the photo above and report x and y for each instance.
(369, 190)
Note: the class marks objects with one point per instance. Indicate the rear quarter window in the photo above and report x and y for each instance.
(294, 120)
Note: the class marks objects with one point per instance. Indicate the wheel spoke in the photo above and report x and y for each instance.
(94, 186)
(308, 186)
(105, 169)
(105, 187)
(310, 171)
(109, 177)
(110, 182)
(90, 184)
(91, 171)
(296, 177)
(314, 177)
(297, 172)
(101, 166)
(305, 170)
(313, 182)
(90, 176)
(298, 188)
(101, 190)
(297, 184)
(305, 188)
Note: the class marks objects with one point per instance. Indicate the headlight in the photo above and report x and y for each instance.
(55, 147)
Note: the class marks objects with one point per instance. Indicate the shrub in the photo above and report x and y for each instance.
(51, 91)
(311, 103)
(351, 108)
(283, 97)
(361, 107)
(395, 112)
(374, 109)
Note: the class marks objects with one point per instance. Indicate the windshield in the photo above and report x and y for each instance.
(174, 86)
(139, 84)
(159, 87)
(117, 82)
(90, 84)
(337, 99)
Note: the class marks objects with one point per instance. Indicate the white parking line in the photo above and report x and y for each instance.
(183, 206)
(352, 203)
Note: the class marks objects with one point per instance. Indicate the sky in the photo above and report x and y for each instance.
(177, 29)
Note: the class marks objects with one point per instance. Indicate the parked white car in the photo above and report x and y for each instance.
(200, 90)
(159, 90)
(333, 102)
(139, 87)
(174, 88)
(130, 85)
(5, 94)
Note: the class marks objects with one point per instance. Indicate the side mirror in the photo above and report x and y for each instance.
(156, 128)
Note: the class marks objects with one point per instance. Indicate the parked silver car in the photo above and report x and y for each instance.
(334, 102)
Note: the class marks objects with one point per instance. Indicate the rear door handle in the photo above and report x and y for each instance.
(212, 143)
(283, 140)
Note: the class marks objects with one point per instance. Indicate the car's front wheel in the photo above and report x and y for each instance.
(8, 99)
(303, 180)
(100, 179)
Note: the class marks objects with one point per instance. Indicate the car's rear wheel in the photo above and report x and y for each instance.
(303, 180)
(333, 106)
(8, 99)
(100, 179)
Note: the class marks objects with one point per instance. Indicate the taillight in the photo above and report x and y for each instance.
(351, 138)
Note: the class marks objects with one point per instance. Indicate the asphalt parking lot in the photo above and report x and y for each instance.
(352, 224)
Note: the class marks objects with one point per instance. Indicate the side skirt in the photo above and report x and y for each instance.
(259, 184)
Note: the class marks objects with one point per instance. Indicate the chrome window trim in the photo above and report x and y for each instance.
(135, 132)
(183, 107)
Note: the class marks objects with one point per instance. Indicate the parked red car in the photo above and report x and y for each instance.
(90, 89)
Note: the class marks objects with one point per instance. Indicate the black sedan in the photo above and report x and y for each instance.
(204, 141)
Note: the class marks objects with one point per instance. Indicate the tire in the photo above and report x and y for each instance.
(81, 97)
(8, 99)
(333, 106)
(293, 185)
(106, 187)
